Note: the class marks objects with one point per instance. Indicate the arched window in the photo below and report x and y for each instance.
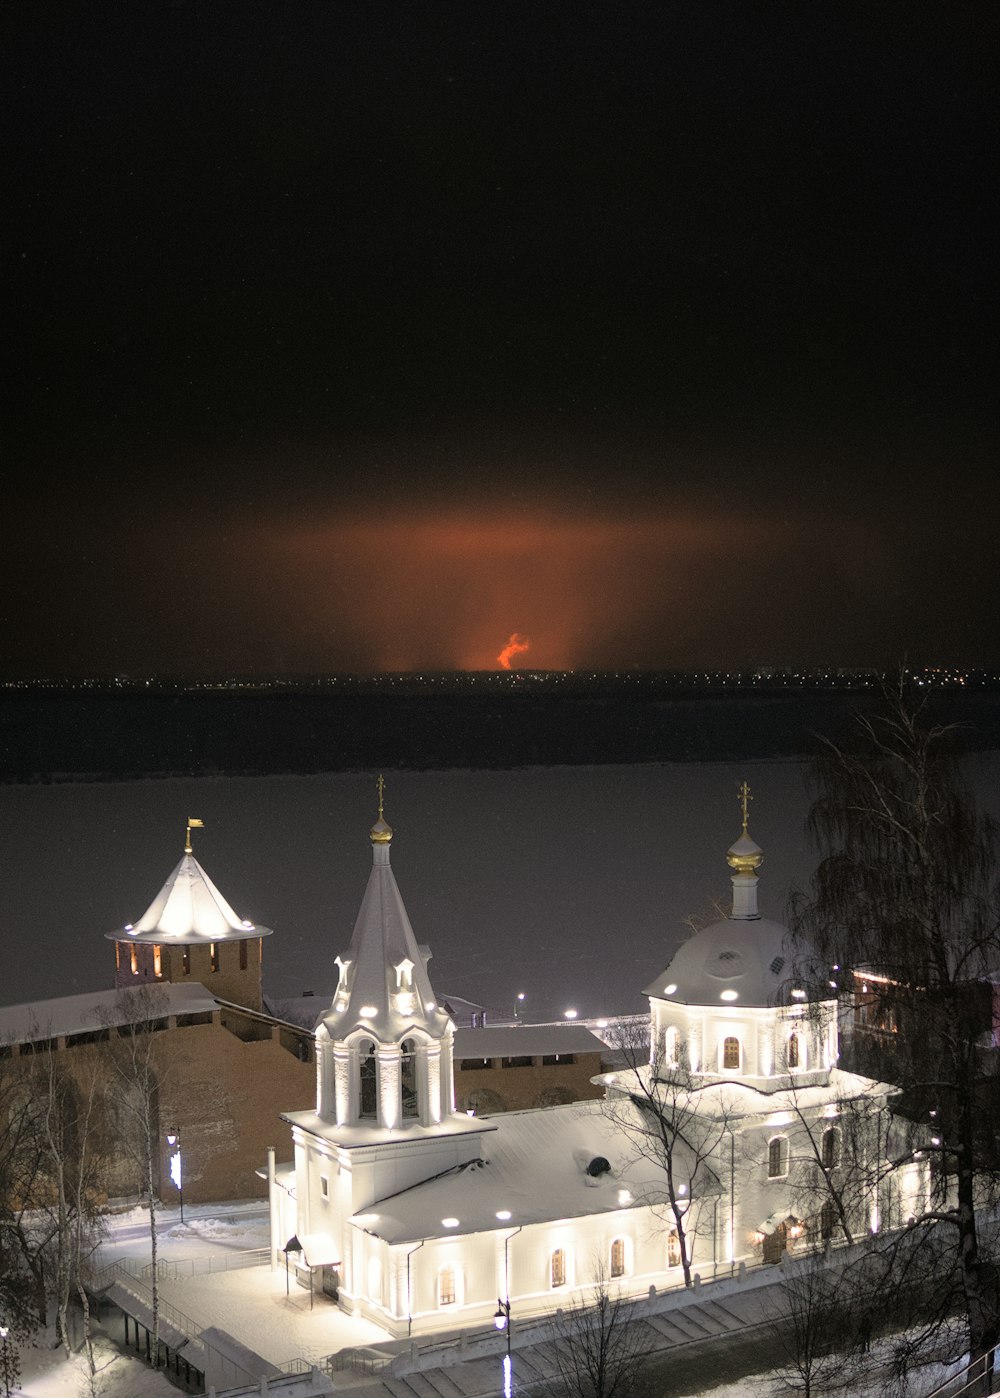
(777, 1157)
(672, 1047)
(673, 1249)
(557, 1267)
(731, 1052)
(446, 1286)
(793, 1050)
(368, 1093)
(408, 1078)
(618, 1257)
(830, 1148)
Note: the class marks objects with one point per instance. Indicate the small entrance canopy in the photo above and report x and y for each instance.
(320, 1250)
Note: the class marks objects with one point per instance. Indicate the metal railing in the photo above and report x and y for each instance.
(170, 1269)
(122, 1271)
(971, 1378)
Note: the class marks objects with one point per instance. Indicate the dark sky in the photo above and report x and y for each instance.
(365, 335)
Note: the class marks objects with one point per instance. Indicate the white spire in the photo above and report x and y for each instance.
(384, 987)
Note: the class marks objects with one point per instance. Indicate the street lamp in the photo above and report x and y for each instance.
(519, 1006)
(501, 1320)
(174, 1142)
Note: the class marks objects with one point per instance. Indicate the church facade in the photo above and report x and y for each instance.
(732, 1137)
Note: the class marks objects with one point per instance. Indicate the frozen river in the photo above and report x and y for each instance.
(570, 884)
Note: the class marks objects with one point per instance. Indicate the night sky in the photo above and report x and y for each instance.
(364, 336)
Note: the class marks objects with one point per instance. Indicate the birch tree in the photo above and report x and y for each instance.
(665, 1116)
(135, 1080)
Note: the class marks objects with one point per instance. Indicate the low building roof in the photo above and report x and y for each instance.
(81, 1014)
(524, 1040)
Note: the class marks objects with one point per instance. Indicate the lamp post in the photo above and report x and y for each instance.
(174, 1142)
(519, 1004)
(501, 1320)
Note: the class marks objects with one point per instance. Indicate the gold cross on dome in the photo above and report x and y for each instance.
(193, 824)
(744, 799)
(381, 793)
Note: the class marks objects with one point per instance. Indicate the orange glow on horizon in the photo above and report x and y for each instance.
(516, 645)
(433, 590)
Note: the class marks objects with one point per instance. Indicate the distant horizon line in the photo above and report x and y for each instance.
(956, 675)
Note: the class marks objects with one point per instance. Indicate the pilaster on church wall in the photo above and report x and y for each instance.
(446, 1069)
(342, 1084)
(397, 1298)
(696, 1047)
(431, 1098)
(388, 1074)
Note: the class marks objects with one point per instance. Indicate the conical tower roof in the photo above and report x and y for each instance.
(384, 987)
(189, 909)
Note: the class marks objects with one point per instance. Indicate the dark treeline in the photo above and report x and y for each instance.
(57, 736)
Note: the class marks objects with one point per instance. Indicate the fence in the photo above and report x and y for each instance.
(171, 1269)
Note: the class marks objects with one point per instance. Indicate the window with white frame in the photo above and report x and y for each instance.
(618, 1257)
(777, 1157)
(557, 1267)
(446, 1285)
(731, 1052)
(792, 1051)
(324, 1186)
(672, 1046)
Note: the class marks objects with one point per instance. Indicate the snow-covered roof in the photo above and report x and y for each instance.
(743, 959)
(384, 988)
(748, 960)
(533, 1170)
(81, 1014)
(737, 1099)
(304, 1010)
(359, 1137)
(188, 909)
(525, 1040)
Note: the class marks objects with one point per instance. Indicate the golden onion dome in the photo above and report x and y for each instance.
(745, 856)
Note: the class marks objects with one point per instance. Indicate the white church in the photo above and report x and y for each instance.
(723, 1145)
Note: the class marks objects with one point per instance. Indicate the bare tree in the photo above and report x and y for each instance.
(677, 1123)
(599, 1350)
(906, 898)
(23, 1294)
(135, 1080)
(69, 1123)
(817, 1327)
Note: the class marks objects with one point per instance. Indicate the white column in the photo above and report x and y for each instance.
(272, 1206)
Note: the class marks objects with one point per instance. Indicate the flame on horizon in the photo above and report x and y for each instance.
(516, 645)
